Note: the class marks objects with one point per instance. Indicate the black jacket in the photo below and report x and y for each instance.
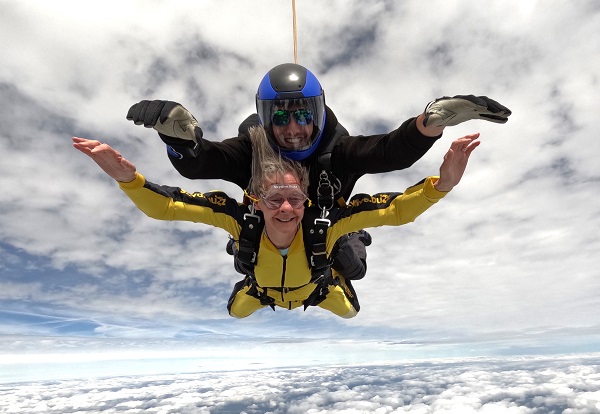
(351, 156)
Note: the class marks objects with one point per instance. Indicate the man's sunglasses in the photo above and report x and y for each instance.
(303, 117)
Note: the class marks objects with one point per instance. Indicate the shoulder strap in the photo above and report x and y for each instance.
(249, 242)
(314, 229)
(329, 185)
(324, 158)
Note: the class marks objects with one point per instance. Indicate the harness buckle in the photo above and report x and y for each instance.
(312, 257)
(252, 215)
(323, 220)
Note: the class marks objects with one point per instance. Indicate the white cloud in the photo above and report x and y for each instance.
(467, 386)
(510, 252)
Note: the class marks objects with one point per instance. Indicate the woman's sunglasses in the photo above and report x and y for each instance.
(275, 201)
(273, 198)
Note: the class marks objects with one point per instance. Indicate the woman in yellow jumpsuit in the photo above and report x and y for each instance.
(282, 273)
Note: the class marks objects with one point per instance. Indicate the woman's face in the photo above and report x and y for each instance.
(282, 206)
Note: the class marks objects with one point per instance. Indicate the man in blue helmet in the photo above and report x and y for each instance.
(290, 104)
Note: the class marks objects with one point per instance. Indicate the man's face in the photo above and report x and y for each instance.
(297, 132)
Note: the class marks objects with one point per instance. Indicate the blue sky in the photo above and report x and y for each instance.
(506, 264)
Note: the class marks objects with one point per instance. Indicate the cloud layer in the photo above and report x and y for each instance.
(509, 255)
(533, 385)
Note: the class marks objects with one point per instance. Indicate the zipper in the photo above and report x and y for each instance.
(283, 288)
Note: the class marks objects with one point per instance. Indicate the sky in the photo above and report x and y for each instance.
(505, 265)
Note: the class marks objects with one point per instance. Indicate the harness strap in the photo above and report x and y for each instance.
(250, 240)
(285, 289)
(321, 290)
(253, 291)
(329, 185)
(318, 254)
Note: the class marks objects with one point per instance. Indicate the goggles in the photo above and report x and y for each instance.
(273, 198)
(281, 117)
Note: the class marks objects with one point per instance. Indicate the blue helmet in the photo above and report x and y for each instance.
(291, 86)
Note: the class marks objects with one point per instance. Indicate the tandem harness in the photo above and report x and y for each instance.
(314, 225)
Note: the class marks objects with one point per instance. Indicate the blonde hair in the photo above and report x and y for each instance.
(268, 165)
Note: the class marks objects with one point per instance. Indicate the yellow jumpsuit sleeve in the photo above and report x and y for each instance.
(384, 209)
(175, 204)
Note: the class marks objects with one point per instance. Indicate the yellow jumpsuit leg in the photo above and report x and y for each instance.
(243, 305)
(341, 300)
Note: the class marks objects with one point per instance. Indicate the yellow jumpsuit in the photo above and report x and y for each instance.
(285, 278)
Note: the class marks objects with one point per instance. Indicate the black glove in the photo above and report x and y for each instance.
(448, 111)
(167, 117)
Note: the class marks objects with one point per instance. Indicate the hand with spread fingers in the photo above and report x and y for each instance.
(109, 159)
(455, 162)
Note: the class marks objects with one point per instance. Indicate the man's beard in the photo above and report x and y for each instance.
(294, 142)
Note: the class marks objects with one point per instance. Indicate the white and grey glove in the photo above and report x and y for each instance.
(448, 111)
(167, 117)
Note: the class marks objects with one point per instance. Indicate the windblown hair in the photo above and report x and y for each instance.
(268, 165)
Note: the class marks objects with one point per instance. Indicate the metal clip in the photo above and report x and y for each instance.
(325, 189)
